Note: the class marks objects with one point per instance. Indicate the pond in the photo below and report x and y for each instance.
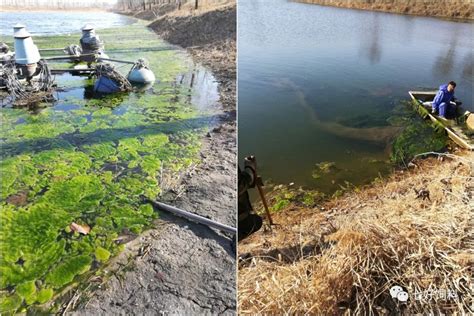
(60, 22)
(93, 161)
(319, 84)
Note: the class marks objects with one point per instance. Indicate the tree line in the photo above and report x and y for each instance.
(130, 5)
(147, 4)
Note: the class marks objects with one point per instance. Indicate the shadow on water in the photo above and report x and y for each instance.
(444, 63)
(467, 69)
(370, 45)
(102, 135)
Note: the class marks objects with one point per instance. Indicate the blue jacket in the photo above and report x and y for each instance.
(443, 95)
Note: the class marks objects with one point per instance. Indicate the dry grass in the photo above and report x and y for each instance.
(389, 234)
(457, 9)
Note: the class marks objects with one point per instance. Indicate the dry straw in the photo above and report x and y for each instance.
(415, 231)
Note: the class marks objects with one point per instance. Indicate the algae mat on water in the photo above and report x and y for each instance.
(89, 162)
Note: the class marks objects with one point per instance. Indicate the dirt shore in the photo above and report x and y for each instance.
(180, 267)
(452, 9)
(342, 256)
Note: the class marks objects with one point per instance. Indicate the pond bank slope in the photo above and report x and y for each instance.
(414, 230)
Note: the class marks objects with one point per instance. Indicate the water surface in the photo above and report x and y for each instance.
(60, 22)
(319, 84)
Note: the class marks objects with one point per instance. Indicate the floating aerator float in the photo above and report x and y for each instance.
(141, 72)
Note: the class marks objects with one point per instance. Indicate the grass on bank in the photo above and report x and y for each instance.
(415, 230)
(454, 9)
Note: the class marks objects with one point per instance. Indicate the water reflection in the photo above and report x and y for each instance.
(467, 67)
(444, 63)
(370, 44)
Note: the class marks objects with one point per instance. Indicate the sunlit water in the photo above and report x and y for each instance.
(60, 22)
(318, 84)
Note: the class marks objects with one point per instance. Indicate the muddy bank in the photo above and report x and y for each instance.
(453, 9)
(413, 230)
(180, 267)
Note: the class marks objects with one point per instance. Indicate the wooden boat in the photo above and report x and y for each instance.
(456, 128)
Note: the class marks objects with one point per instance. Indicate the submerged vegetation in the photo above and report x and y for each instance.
(418, 135)
(89, 161)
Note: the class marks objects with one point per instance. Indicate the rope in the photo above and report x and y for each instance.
(39, 88)
(4, 48)
(73, 50)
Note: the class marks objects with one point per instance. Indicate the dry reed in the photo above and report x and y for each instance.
(456, 9)
(415, 231)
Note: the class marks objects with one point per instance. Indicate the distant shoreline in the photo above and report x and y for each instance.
(24, 9)
(457, 10)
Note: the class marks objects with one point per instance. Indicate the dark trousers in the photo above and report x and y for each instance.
(249, 225)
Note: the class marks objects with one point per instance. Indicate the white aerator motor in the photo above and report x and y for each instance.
(26, 53)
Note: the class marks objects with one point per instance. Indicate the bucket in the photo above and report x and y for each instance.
(106, 85)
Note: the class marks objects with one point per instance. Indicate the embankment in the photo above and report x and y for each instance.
(209, 34)
(343, 256)
(210, 37)
(453, 9)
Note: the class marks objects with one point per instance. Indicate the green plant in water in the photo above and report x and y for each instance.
(102, 254)
(88, 162)
(323, 168)
(279, 205)
(10, 303)
(65, 272)
(44, 295)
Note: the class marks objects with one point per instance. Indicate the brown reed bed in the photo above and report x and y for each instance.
(415, 230)
(454, 9)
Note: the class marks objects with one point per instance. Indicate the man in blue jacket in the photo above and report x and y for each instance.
(441, 102)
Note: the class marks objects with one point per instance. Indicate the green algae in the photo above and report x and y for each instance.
(27, 289)
(418, 135)
(283, 196)
(89, 161)
(44, 295)
(323, 168)
(65, 272)
(102, 254)
(9, 304)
